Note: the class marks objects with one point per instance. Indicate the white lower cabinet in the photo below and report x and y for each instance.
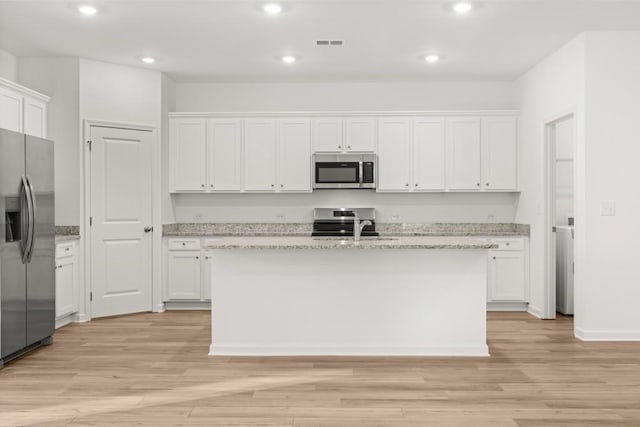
(508, 274)
(188, 275)
(66, 279)
(184, 282)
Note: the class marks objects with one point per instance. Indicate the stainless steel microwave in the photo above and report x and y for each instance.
(344, 171)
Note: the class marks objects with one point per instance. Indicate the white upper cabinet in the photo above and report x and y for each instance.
(35, 117)
(328, 135)
(11, 110)
(499, 153)
(360, 135)
(469, 152)
(260, 159)
(22, 109)
(224, 155)
(188, 160)
(429, 154)
(394, 154)
(295, 155)
(463, 153)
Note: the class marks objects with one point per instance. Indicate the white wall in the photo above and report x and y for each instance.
(247, 97)
(168, 104)
(344, 96)
(414, 208)
(609, 286)
(8, 66)
(118, 93)
(59, 78)
(552, 88)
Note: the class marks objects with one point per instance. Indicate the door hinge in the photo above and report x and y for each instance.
(90, 143)
(90, 221)
(90, 296)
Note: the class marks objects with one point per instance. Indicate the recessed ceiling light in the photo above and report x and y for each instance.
(432, 58)
(272, 8)
(148, 60)
(462, 7)
(288, 59)
(87, 10)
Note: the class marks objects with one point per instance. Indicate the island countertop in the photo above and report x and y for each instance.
(383, 242)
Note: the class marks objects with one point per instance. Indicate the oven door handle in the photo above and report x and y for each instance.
(360, 170)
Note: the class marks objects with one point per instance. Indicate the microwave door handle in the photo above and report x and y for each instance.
(360, 170)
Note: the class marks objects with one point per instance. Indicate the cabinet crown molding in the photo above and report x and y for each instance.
(24, 90)
(311, 114)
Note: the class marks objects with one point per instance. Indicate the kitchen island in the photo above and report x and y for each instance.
(395, 296)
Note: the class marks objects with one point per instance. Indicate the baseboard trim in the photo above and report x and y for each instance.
(81, 318)
(507, 306)
(535, 311)
(160, 308)
(585, 335)
(66, 320)
(276, 350)
(187, 305)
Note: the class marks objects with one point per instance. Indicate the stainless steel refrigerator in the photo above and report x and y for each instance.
(27, 244)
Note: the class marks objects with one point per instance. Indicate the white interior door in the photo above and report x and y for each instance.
(121, 210)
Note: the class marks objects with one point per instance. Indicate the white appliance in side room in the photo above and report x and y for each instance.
(564, 269)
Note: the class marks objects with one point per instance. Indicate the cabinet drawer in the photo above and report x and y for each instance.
(184, 244)
(509, 244)
(65, 250)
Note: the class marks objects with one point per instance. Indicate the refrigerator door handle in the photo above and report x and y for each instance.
(32, 195)
(26, 208)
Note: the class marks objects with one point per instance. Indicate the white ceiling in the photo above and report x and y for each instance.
(233, 40)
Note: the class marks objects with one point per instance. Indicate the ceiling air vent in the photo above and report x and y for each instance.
(326, 42)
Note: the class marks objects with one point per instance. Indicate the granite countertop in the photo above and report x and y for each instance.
(307, 242)
(66, 233)
(304, 229)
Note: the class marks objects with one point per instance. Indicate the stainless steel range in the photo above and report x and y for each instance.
(340, 221)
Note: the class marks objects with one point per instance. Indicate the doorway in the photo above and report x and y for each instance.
(560, 147)
(120, 209)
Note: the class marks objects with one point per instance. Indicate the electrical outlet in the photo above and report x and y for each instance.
(608, 209)
(395, 217)
(197, 217)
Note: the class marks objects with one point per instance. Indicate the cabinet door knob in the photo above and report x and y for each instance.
(211, 186)
(508, 243)
(197, 257)
(494, 257)
(281, 185)
(487, 184)
(272, 185)
(406, 185)
(478, 185)
(202, 185)
(348, 146)
(416, 184)
(184, 244)
(340, 146)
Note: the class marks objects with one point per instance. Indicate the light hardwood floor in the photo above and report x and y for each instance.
(153, 370)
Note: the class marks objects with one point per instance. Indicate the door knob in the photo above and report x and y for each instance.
(148, 229)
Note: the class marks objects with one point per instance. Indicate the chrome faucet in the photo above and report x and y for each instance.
(358, 226)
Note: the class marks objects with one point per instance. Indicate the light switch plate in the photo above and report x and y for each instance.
(608, 209)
